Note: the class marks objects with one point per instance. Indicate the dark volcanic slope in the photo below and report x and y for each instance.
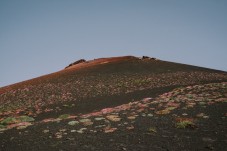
(120, 76)
(96, 88)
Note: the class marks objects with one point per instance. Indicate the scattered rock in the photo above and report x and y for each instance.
(21, 127)
(109, 130)
(94, 131)
(143, 115)
(130, 127)
(86, 122)
(113, 118)
(200, 115)
(100, 126)
(72, 123)
(184, 114)
(150, 115)
(99, 118)
(73, 131)
(63, 130)
(162, 112)
(58, 135)
(145, 57)
(46, 131)
(131, 117)
(81, 130)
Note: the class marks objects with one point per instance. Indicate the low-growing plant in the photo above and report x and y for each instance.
(12, 120)
(185, 124)
(64, 116)
(26, 119)
(152, 130)
(8, 120)
(121, 84)
(140, 81)
(2, 126)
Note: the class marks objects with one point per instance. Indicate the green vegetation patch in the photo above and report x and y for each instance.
(13, 120)
(152, 130)
(9, 120)
(185, 124)
(2, 126)
(64, 116)
(26, 119)
(171, 108)
(140, 81)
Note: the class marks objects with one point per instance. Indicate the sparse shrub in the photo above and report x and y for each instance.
(12, 120)
(152, 130)
(8, 120)
(64, 116)
(185, 124)
(2, 126)
(26, 119)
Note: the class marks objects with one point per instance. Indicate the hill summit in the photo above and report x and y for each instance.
(83, 62)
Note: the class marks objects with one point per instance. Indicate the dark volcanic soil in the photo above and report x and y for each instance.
(117, 104)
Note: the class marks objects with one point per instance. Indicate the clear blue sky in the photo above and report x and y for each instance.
(38, 37)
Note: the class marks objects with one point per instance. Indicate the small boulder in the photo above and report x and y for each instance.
(76, 62)
(72, 123)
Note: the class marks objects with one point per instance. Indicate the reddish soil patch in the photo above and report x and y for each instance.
(100, 61)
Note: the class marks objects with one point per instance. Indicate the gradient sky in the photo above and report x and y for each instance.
(38, 37)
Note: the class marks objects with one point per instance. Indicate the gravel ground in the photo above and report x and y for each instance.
(127, 105)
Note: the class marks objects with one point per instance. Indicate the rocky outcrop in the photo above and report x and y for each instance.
(76, 62)
(146, 57)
